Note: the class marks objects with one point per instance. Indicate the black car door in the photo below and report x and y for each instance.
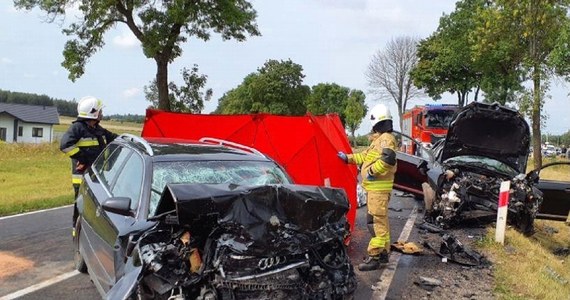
(556, 198)
(98, 226)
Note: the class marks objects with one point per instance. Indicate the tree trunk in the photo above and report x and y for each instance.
(477, 93)
(400, 114)
(536, 104)
(353, 137)
(461, 98)
(162, 83)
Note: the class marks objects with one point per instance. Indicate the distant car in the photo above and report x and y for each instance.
(549, 151)
(175, 219)
(460, 177)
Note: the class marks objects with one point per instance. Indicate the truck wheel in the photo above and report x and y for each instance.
(77, 257)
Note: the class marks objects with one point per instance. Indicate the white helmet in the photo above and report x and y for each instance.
(379, 113)
(89, 108)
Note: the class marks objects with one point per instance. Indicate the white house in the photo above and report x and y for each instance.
(27, 123)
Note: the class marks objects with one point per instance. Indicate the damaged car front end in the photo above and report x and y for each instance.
(224, 241)
(460, 179)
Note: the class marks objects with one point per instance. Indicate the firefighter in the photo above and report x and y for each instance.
(377, 166)
(85, 138)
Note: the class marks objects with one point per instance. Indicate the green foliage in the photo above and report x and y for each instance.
(160, 26)
(328, 98)
(559, 140)
(359, 141)
(186, 98)
(130, 118)
(64, 107)
(277, 88)
(355, 110)
(449, 62)
(538, 31)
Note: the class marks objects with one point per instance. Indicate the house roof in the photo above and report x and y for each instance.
(31, 113)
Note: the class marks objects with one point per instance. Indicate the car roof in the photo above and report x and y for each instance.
(168, 149)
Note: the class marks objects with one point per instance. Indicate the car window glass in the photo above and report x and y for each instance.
(236, 172)
(129, 181)
(556, 173)
(112, 164)
(98, 164)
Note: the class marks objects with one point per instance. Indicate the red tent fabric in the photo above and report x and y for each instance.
(305, 146)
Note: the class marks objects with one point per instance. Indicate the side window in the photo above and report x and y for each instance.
(100, 161)
(109, 163)
(129, 181)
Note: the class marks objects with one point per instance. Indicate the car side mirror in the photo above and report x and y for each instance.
(532, 176)
(118, 205)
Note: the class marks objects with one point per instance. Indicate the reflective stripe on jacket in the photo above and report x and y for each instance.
(379, 160)
(83, 144)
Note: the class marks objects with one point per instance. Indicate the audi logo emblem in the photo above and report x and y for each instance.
(266, 263)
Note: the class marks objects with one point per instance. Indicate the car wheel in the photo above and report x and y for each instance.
(77, 257)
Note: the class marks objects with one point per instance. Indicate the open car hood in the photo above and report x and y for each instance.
(489, 130)
(258, 211)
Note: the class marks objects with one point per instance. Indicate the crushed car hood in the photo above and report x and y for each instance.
(489, 130)
(257, 211)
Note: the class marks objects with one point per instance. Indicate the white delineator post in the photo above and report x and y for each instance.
(502, 212)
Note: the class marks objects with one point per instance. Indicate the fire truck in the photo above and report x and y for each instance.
(426, 124)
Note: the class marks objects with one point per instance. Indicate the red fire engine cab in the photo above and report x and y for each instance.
(426, 125)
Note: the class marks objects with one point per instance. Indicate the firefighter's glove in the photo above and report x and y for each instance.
(342, 156)
(370, 177)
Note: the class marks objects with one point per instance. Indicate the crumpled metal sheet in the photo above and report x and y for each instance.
(260, 212)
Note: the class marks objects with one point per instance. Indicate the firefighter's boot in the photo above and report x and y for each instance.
(374, 262)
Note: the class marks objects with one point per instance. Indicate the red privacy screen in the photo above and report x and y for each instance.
(305, 146)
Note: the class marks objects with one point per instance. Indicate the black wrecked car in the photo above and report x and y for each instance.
(460, 177)
(172, 219)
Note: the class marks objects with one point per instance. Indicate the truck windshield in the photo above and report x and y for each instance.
(439, 118)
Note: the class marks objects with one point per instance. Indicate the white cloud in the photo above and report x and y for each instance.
(126, 40)
(6, 61)
(132, 92)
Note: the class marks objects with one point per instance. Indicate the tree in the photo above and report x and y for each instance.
(276, 88)
(161, 27)
(354, 112)
(187, 98)
(538, 29)
(328, 98)
(388, 73)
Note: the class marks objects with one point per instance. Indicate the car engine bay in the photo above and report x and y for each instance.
(463, 193)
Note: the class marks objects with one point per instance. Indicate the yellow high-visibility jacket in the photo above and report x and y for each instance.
(378, 160)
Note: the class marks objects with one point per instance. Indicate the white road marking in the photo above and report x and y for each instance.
(34, 212)
(39, 286)
(381, 288)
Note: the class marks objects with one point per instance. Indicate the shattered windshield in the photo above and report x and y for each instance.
(236, 172)
(483, 162)
(439, 118)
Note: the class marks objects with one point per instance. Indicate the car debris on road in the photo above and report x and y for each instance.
(460, 176)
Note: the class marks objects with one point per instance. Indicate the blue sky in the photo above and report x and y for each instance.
(333, 40)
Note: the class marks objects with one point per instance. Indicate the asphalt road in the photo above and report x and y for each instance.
(37, 247)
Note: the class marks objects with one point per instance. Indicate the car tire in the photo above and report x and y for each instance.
(77, 257)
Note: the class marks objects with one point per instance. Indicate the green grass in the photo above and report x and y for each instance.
(33, 177)
(38, 176)
(114, 126)
(521, 266)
